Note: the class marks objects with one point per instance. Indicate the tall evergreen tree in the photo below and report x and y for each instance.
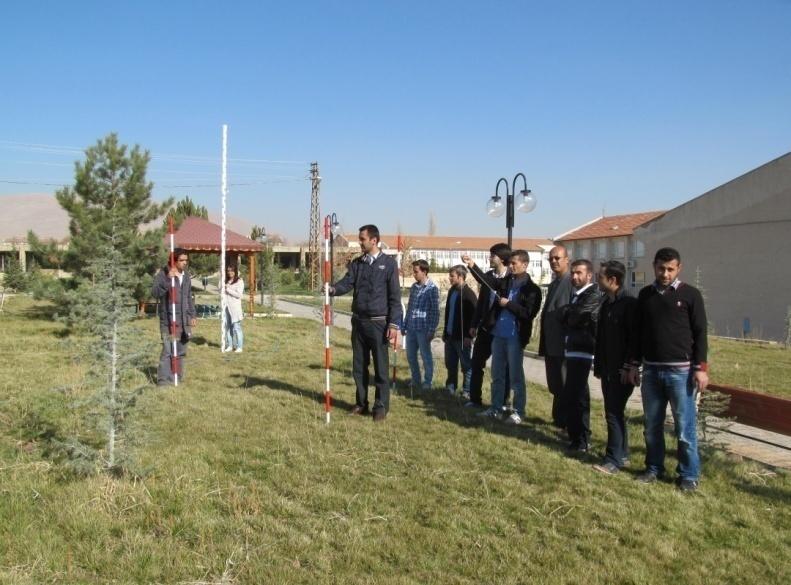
(111, 194)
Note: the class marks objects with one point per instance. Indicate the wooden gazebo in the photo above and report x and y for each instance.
(202, 236)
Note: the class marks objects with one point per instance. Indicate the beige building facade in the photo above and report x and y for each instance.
(735, 242)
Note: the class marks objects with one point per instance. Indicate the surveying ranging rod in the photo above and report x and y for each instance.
(174, 353)
(327, 320)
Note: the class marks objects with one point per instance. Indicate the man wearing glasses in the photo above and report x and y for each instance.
(185, 315)
(551, 344)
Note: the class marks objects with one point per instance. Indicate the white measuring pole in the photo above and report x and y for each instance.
(224, 190)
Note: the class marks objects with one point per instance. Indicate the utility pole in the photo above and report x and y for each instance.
(313, 242)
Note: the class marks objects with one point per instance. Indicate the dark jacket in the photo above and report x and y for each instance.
(551, 334)
(485, 305)
(616, 335)
(468, 300)
(580, 319)
(185, 305)
(377, 292)
(525, 306)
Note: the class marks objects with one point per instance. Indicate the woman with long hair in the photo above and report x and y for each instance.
(234, 291)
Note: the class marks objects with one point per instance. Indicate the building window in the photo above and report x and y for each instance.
(638, 279)
(638, 249)
(601, 248)
(620, 249)
(584, 251)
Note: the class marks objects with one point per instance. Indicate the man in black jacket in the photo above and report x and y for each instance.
(551, 343)
(376, 319)
(185, 315)
(616, 335)
(511, 325)
(499, 255)
(672, 347)
(579, 321)
(459, 311)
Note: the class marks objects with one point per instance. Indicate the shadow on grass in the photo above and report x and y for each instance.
(201, 340)
(253, 381)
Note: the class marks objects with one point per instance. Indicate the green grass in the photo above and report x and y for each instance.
(760, 367)
(244, 483)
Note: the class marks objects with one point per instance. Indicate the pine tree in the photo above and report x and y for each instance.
(200, 264)
(111, 194)
(15, 277)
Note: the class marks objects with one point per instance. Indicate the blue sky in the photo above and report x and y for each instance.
(409, 107)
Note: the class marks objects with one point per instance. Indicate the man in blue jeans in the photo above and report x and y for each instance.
(672, 346)
(459, 311)
(420, 324)
(511, 324)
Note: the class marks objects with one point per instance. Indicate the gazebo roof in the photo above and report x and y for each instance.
(200, 235)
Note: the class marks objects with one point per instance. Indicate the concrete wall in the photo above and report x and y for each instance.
(737, 238)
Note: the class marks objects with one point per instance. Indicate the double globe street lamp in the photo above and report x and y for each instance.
(525, 203)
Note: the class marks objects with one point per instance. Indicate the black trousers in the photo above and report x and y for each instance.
(615, 397)
(578, 401)
(164, 371)
(369, 339)
(481, 352)
(555, 368)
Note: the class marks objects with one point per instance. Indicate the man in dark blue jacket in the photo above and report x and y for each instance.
(616, 335)
(579, 321)
(376, 319)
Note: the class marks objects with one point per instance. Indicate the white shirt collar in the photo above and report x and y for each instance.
(583, 289)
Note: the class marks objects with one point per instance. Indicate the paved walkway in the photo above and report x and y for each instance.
(766, 447)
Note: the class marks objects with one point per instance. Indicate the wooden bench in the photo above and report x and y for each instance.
(757, 409)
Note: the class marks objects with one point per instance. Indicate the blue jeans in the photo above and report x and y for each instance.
(507, 351)
(233, 333)
(663, 384)
(455, 352)
(419, 341)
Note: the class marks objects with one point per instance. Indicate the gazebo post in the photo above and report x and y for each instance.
(251, 262)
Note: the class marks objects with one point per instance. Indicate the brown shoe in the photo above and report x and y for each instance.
(361, 410)
(379, 415)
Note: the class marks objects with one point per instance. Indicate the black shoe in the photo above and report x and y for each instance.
(361, 410)
(577, 449)
(687, 485)
(379, 415)
(647, 476)
(608, 468)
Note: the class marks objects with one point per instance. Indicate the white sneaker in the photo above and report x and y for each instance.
(227, 350)
(238, 350)
(513, 419)
(451, 390)
(465, 396)
(426, 386)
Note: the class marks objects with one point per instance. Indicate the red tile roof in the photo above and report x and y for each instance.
(422, 242)
(610, 226)
(199, 235)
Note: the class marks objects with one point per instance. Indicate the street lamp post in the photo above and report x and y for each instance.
(495, 208)
(335, 229)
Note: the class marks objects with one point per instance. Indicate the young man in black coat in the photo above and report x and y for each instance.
(579, 319)
(499, 255)
(616, 335)
(459, 311)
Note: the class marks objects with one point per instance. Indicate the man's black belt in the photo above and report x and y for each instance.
(379, 318)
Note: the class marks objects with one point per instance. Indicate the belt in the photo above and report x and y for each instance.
(377, 318)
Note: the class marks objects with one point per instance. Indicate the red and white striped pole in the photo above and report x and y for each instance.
(327, 319)
(174, 353)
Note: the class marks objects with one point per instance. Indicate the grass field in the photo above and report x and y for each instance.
(241, 482)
